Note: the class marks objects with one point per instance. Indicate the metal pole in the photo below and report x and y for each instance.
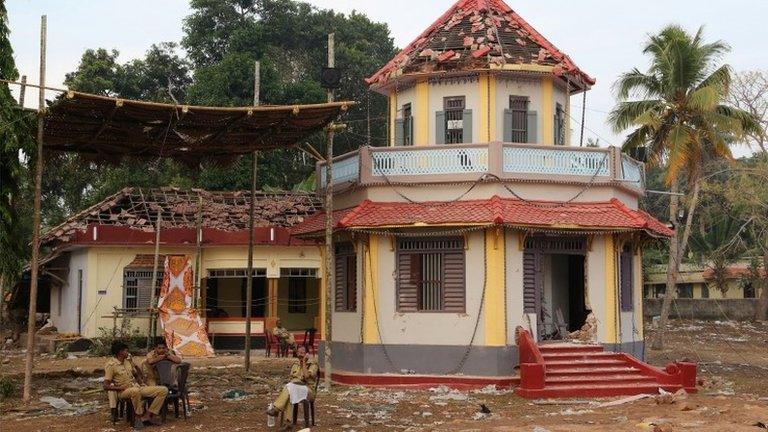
(35, 264)
(249, 280)
(583, 115)
(153, 282)
(329, 267)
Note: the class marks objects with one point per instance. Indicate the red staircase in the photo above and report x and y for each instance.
(570, 370)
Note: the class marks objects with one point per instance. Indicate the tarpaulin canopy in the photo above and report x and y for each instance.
(110, 128)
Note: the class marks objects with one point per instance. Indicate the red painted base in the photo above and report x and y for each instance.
(458, 382)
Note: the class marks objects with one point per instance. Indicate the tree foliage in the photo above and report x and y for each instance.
(15, 137)
(214, 65)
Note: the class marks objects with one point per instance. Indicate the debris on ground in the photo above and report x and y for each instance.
(58, 403)
(666, 398)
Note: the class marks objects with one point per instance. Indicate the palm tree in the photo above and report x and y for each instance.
(676, 110)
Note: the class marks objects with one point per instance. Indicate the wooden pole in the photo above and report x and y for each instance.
(329, 259)
(35, 264)
(153, 283)
(198, 251)
(22, 90)
(249, 280)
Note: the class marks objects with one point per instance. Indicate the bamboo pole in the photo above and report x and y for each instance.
(152, 305)
(35, 264)
(249, 280)
(329, 258)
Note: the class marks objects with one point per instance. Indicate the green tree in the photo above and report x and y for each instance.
(676, 109)
(15, 139)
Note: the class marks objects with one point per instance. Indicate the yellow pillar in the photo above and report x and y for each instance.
(392, 116)
(610, 289)
(487, 114)
(421, 114)
(272, 295)
(371, 290)
(547, 111)
(495, 287)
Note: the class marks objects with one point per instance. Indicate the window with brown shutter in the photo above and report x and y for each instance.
(431, 275)
(626, 278)
(518, 106)
(346, 278)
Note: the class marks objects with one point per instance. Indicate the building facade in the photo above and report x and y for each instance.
(481, 216)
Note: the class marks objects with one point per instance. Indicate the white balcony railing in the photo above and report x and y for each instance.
(468, 162)
(556, 161)
(444, 160)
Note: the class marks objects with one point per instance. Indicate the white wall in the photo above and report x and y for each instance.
(66, 322)
(596, 284)
(514, 264)
(468, 88)
(438, 328)
(506, 87)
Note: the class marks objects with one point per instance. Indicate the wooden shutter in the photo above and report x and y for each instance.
(407, 287)
(507, 125)
(467, 123)
(440, 127)
(454, 286)
(346, 278)
(340, 279)
(533, 127)
(399, 135)
(531, 281)
(626, 279)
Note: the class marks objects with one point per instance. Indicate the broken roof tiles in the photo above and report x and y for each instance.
(227, 211)
(479, 33)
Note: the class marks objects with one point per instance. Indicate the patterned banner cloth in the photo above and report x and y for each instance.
(184, 330)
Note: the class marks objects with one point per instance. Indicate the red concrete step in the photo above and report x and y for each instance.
(579, 356)
(607, 370)
(586, 363)
(598, 379)
(561, 348)
(595, 390)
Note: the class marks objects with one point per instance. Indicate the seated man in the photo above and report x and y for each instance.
(120, 376)
(161, 352)
(301, 385)
(283, 335)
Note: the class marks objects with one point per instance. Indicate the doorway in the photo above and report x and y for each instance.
(554, 286)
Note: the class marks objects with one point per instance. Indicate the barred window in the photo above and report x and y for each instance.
(519, 107)
(346, 278)
(685, 290)
(137, 288)
(431, 275)
(454, 119)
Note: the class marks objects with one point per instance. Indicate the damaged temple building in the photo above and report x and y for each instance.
(477, 235)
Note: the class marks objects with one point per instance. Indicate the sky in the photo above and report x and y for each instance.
(604, 37)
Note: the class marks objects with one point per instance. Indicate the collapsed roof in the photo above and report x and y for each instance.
(479, 34)
(138, 208)
(110, 128)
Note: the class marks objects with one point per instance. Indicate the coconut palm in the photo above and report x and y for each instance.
(676, 110)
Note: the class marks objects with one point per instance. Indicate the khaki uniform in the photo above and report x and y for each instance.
(283, 401)
(284, 335)
(149, 370)
(121, 375)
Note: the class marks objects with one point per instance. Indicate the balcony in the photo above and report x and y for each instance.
(502, 161)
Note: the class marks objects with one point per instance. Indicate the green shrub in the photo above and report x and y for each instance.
(7, 387)
(102, 344)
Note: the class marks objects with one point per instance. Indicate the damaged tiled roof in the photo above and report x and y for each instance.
(610, 215)
(477, 34)
(227, 211)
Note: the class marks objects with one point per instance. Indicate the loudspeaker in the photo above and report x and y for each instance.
(330, 78)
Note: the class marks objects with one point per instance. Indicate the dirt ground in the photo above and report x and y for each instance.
(733, 369)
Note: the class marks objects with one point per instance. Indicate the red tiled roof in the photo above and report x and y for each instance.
(735, 271)
(474, 34)
(611, 215)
